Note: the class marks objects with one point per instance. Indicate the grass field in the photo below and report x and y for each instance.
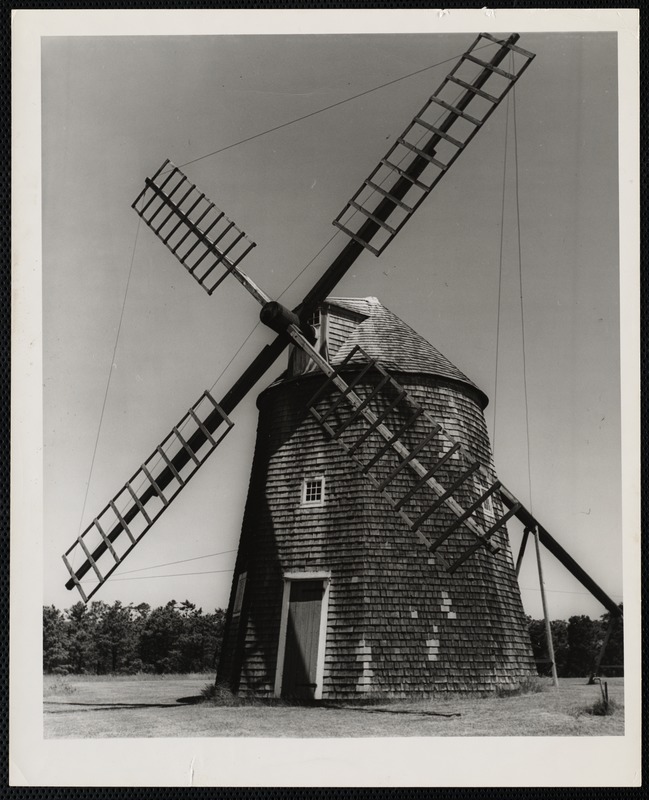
(150, 706)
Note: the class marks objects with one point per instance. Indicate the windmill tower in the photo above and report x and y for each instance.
(331, 597)
(391, 535)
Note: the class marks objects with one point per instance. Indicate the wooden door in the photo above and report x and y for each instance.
(302, 636)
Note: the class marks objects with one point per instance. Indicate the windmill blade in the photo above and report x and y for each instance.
(365, 416)
(371, 426)
(424, 152)
(377, 418)
(201, 441)
(199, 235)
(129, 515)
(420, 164)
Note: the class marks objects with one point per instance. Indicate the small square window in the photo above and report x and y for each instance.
(313, 492)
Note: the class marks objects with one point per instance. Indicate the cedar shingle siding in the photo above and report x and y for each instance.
(397, 623)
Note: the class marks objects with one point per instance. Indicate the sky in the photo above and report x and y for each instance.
(116, 303)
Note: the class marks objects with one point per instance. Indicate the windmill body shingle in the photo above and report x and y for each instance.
(339, 599)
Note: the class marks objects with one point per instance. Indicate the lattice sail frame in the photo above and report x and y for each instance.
(199, 235)
(423, 153)
(381, 408)
(123, 522)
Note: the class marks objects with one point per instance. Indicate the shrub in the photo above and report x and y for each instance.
(602, 708)
(219, 695)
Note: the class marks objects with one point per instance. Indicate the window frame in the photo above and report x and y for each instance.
(304, 503)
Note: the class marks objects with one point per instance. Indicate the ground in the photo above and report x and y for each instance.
(104, 706)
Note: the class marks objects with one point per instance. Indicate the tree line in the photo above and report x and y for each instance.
(179, 638)
(127, 639)
(577, 644)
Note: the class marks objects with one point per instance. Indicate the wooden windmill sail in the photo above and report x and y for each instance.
(211, 247)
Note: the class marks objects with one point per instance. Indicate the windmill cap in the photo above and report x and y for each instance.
(389, 340)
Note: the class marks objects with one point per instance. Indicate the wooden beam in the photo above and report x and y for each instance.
(551, 544)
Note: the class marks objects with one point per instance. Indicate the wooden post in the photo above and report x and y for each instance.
(548, 629)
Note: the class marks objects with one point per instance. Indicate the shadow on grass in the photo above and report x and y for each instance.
(180, 701)
(399, 712)
(105, 706)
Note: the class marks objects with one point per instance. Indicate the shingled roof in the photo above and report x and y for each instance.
(382, 335)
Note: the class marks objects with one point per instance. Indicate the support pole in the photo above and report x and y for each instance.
(548, 628)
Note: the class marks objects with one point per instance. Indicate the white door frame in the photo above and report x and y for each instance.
(289, 577)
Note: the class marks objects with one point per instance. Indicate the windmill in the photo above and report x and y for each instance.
(211, 247)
